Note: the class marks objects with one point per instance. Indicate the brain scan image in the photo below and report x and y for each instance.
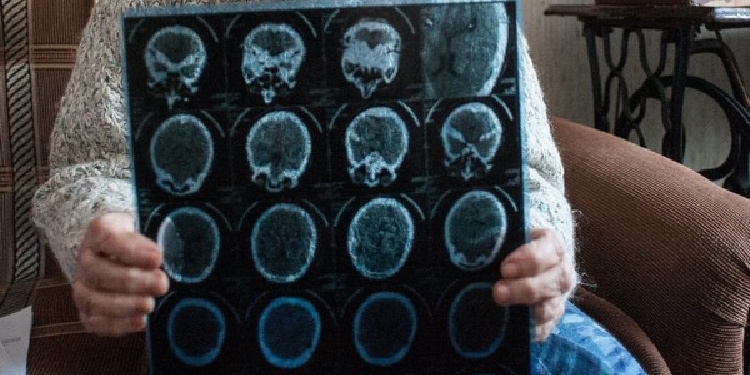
(463, 48)
(372, 51)
(333, 185)
(476, 325)
(182, 154)
(196, 331)
(272, 56)
(474, 230)
(289, 332)
(376, 144)
(385, 326)
(278, 150)
(175, 59)
(471, 136)
(380, 238)
(283, 243)
(190, 240)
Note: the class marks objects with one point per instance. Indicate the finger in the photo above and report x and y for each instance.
(551, 283)
(549, 310)
(91, 303)
(543, 252)
(114, 327)
(104, 275)
(130, 249)
(113, 222)
(542, 332)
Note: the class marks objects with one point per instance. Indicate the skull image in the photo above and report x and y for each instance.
(182, 153)
(190, 240)
(380, 238)
(372, 49)
(273, 54)
(471, 137)
(473, 228)
(278, 149)
(376, 143)
(469, 339)
(283, 243)
(175, 60)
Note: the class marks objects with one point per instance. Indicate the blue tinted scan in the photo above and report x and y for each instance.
(385, 326)
(289, 331)
(196, 330)
(333, 185)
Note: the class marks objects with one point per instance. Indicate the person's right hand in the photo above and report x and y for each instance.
(117, 276)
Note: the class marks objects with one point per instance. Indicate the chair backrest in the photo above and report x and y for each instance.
(38, 41)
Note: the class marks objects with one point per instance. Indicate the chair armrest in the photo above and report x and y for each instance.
(668, 247)
(625, 329)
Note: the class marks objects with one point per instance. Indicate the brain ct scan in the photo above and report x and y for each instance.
(372, 50)
(190, 240)
(474, 230)
(176, 137)
(175, 58)
(385, 326)
(333, 184)
(278, 150)
(196, 329)
(289, 331)
(273, 54)
(463, 48)
(471, 137)
(476, 325)
(376, 143)
(283, 243)
(380, 238)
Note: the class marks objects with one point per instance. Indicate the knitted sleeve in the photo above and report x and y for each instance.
(548, 207)
(89, 162)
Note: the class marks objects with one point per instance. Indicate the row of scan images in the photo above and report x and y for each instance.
(285, 239)
(452, 51)
(281, 145)
(379, 328)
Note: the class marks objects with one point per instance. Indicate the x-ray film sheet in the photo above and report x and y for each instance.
(333, 184)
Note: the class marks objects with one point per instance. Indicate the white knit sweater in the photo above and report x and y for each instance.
(89, 160)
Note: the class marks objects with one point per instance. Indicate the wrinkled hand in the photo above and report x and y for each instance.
(537, 274)
(117, 276)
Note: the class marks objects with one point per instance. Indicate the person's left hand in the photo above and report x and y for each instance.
(537, 274)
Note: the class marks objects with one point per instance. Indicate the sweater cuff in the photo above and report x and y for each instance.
(63, 213)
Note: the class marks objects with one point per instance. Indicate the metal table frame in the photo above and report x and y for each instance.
(678, 26)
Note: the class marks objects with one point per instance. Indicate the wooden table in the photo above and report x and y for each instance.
(678, 26)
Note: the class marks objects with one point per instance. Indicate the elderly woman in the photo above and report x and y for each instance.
(85, 211)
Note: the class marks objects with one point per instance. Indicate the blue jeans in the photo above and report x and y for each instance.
(579, 346)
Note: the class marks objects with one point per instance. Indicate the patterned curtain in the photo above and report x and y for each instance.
(20, 255)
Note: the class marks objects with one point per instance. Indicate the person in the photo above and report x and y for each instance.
(85, 212)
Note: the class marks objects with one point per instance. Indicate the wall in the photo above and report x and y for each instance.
(559, 52)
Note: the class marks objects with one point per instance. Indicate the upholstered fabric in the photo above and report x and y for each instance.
(624, 328)
(668, 247)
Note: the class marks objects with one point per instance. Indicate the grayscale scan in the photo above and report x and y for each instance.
(333, 184)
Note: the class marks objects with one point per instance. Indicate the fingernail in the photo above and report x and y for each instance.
(163, 283)
(502, 293)
(510, 270)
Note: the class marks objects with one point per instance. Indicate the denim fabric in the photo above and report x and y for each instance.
(579, 346)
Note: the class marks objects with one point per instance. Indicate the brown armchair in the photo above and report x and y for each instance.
(667, 252)
(669, 248)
